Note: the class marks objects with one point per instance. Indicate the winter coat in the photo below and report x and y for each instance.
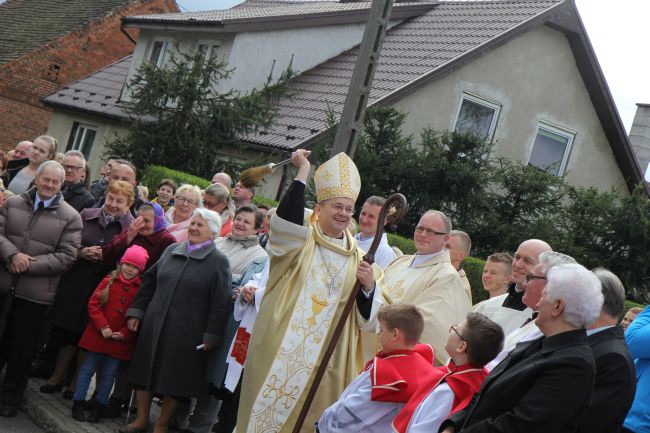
(69, 310)
(77, 196)
(183, 302)
(155, 244)
(51, 235)
(112, 314)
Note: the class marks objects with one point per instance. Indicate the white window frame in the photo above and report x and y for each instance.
(210, 44)
(83, 128)
(561, 131)
(484, 102)
(162, 58)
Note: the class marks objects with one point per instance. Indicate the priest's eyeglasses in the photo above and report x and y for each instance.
(428, 231)
(340, 208)
(530, 277)
(453, 328)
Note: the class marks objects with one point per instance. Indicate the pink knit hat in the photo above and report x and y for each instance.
(137, 256)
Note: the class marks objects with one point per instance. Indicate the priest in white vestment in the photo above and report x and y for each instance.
(314, 265)
(429, 281)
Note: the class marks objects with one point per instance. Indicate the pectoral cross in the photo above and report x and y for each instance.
(331, 287)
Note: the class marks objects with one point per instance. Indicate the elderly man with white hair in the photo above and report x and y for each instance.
(543, 385)
(182, 303)
(40, 235)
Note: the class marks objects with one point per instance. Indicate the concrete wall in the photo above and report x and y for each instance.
(534, 78)
(640, 135)
(60, 127)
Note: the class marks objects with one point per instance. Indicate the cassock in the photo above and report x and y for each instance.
(311, 278)
(371, 401)
(433, 285)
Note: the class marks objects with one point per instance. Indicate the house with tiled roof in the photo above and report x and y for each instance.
(522, 73)
(45, 44)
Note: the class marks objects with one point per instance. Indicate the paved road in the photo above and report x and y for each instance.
(19, 424)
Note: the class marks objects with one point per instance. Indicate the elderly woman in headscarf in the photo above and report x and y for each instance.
(247, 258)
(216, 197)
(69, 312)
(147, 230)
(180, 311)
(187, 199)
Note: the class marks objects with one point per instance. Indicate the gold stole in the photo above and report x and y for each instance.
(286, 282)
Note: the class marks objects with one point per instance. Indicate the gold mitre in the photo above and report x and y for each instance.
(337, 177)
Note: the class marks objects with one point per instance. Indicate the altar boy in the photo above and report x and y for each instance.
(448, 389)
(371, 401)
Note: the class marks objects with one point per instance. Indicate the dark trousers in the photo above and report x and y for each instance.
(19, 346)
(229, 410)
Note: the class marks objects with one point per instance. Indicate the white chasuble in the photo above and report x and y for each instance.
(311, 279)
(436, 289)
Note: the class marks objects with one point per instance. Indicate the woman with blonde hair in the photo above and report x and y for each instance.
(187, 199)
(69, 313)
(20, 177)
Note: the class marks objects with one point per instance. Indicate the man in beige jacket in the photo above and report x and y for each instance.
(429, 281)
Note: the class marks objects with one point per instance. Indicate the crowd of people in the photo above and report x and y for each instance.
(223, 310)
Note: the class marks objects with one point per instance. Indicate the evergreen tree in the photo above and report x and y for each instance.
(178, 119)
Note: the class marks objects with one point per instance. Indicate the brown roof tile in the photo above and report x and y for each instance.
(411, 51)
(28, 24)
(96, 94)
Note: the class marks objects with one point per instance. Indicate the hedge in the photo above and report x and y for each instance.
(153, 174)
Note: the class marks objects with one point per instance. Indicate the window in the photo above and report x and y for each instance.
(551, 148)
(209, 51)
(158, 53)
(478, 116)
(82, 138)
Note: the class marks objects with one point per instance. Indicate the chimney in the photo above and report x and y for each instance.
(640, 135)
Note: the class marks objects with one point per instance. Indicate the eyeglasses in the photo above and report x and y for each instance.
(72, 168)
(185, 200)
(530, 277)
(453, 328)
(428, 231)
(340, 208)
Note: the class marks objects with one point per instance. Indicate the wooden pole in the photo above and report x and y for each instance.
(351, 121)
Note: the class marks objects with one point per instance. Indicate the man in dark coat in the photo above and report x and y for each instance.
(543, 386)
(39, 238)
(615, 374)
(74, 190)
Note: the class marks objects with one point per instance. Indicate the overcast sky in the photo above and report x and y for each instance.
(616, 30)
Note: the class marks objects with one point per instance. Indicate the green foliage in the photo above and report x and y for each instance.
(405, 245)
(499, 202)
(153, 174)
(474, 270)
(178, 119)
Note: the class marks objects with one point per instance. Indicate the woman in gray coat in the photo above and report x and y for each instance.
(180, 310)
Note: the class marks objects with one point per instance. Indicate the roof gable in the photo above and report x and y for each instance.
(26, 25)
(412, 53)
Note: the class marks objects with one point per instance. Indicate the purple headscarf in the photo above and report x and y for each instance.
(159, 222)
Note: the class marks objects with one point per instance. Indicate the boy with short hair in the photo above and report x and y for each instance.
(450, 388)
(371, 401)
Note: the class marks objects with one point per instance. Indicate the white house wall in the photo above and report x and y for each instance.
(534, 78)
(60, 127)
